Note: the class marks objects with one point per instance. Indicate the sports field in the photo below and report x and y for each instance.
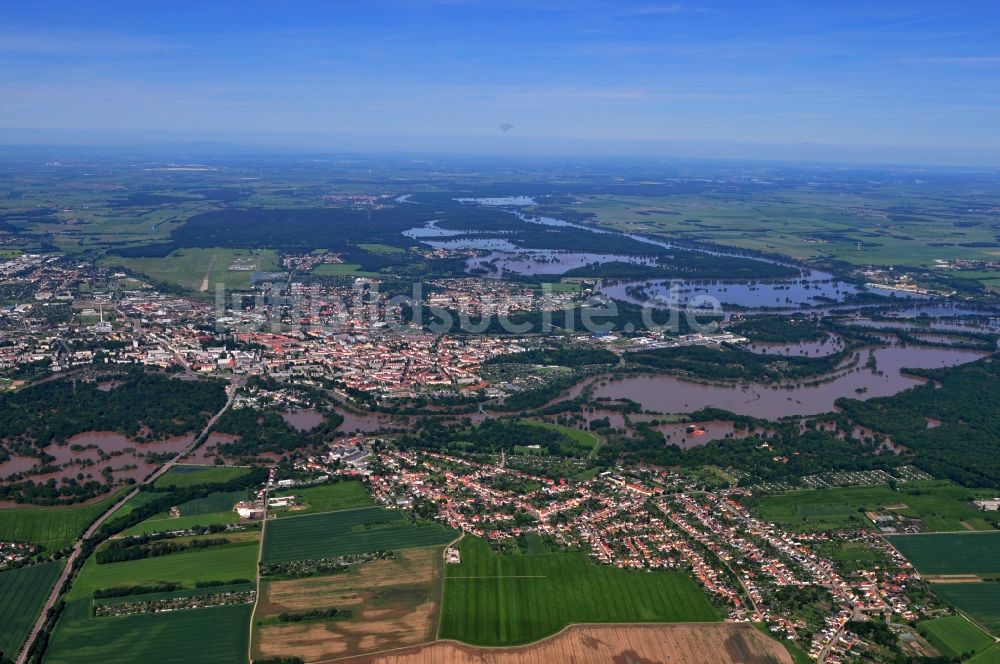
(981, 601)
(185, 475)
(347, 532)
(954, 636)
(942, 506)
(952, 553)
(495, 600)
(326, 498)
(23, 592)
(51, 527)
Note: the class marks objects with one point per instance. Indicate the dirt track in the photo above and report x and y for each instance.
(610, 644)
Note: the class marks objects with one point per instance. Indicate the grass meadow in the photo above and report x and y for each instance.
(941, 505)
(53, 528)
(954, 636)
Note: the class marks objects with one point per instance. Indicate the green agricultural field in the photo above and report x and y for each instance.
(954, 636)
(495, 600)
(942, 506)
(23, 591)
(137, 501)
(184, 475)
(327, 498)
(341, 270)
(217, 634)
(53, 528)
(218, 563)
(582, 438)
(988, 656)
(346, 532)
(199, 635)
(384, 249)
(219, 502)
(804, 225)
(162, 522)
(981, 601)
(559, 287)
(952, 553)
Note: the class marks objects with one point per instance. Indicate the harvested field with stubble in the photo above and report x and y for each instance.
(616, 644)
(394, 603)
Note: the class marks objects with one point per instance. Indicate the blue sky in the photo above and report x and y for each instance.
(890, 81)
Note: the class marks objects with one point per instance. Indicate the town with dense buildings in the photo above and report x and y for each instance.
(286, 338)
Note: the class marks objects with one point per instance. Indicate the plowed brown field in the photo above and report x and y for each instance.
(394, 602)
(609, 644)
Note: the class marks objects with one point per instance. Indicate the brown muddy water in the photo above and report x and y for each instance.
(669, 394)
(303, 420)
(96, 450)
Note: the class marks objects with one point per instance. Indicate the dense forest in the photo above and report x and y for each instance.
(143, 407)
(966, 402)
(492, 436)
(564, 356)
(261, 431)
(732, 363)
(786, 456)
(779, 329)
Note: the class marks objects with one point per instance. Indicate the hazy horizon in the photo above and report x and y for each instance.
(899, 82)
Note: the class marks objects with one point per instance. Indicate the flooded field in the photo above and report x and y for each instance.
(828, 346)
(546, 261)
(91, 453)
(669, 394)
(815, 289)
(303, 420)
(692, 434)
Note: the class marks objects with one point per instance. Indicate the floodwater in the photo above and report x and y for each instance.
(500, 201)
(828, 346)
(431, 230)
(545, 261)
(481, 243)
(96, 450)
(669, 394)
(303, 420)
(815, 289)
(687, 435)
(364, 423)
